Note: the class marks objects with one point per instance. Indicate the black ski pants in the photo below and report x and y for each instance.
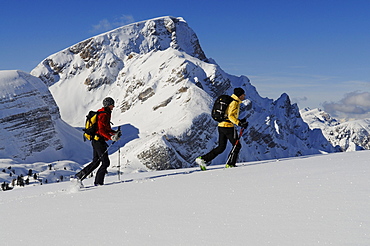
(224, 134)
(100, 155)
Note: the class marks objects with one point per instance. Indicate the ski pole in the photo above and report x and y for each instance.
(119, 160)
(119, 164)
(234, 147)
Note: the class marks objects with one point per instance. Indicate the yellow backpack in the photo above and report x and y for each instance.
(91, 125)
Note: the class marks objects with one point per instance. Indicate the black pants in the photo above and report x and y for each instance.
(224, 134)
(100, 155)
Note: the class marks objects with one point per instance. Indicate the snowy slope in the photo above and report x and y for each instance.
(32, 134)
(352, 135)
(27, 110)
(347, 136)
(31, 128)
(317, 118)
(317, 200)
(164, 87)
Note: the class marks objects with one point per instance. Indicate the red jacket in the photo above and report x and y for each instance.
(104, 129)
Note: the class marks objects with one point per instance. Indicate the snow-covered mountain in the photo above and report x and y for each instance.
(164, 87)
(31, 128)
(347, 136)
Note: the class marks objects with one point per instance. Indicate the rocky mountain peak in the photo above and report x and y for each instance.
(106, 54)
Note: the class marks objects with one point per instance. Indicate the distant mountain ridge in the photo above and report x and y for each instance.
(346, 136)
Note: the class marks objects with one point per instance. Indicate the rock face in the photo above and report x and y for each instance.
(346, 136)
(29, 118)
(26, 116)
(164, 86)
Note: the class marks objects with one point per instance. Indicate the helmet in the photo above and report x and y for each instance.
(108, 101)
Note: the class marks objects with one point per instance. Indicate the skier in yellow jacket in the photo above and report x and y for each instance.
(227, 131)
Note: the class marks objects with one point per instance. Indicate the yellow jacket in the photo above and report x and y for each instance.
(232, 112)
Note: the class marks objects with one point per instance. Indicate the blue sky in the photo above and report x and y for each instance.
(318, 52)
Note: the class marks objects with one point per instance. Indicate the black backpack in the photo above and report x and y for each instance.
(219, 108)
(91, 125)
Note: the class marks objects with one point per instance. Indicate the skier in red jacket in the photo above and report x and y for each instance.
(100, 154)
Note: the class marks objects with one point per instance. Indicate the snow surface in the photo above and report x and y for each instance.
(316, 200)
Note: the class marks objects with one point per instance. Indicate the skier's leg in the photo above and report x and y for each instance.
(100, 174)
(92, 166)
(232, 135)
(222, 142)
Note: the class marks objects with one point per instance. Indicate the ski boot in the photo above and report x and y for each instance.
(201, 162)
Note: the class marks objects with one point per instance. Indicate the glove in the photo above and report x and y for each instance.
(117, 136)
(243, 123)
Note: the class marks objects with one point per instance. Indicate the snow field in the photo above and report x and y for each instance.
(317, 200)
